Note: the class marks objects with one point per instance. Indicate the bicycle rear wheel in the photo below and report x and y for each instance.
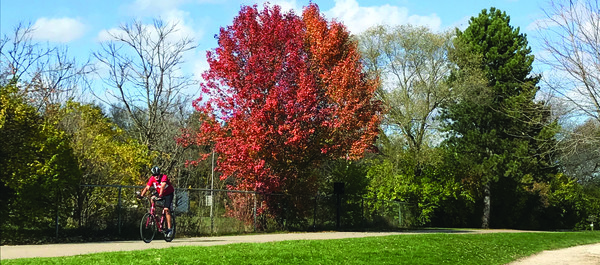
(148, 227)
(173, 228)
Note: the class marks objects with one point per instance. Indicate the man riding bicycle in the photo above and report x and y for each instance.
(165, 190)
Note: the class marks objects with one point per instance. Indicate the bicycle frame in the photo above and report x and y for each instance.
(153, 213)
(151, 223)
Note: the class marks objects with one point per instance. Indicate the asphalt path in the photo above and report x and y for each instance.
(57, 250)
(580, 255)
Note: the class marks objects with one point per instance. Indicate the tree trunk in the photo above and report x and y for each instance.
(485, 219)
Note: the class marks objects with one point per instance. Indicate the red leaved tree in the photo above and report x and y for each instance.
(283, 94)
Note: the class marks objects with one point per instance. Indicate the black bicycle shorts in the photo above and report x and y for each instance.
(168, 200)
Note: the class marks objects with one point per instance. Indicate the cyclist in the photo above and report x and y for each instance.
(165, 190)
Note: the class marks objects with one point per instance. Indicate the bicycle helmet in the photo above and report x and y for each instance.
(155, 171)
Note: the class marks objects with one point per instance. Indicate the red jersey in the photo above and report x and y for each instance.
(154, 182)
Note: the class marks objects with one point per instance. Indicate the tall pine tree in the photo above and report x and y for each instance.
(503, 137)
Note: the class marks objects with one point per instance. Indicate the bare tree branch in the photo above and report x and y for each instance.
(144, 76)
(412, 63)
(571, 38)
(46, 74)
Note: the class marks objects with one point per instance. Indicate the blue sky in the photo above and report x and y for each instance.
(81, 25)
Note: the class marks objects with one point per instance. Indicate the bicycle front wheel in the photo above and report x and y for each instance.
(148, 227)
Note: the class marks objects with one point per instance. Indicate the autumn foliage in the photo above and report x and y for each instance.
(283, 94)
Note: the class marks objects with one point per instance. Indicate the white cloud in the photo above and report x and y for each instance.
(359, 18)
(176, 16)
(167, 11)
(181, 32)
(200, 65)
(58, 29)
(541, 24)
(107, 34)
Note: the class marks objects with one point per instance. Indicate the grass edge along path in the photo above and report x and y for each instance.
(437, 248)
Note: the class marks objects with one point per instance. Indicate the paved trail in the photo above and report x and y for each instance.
(57, 250)
(580, 255)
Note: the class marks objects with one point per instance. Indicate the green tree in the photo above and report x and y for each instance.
(393, 180)
(39, 169)
(413, 64)
(503, 137)
(104, 154)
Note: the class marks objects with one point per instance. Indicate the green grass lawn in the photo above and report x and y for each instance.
(497, 248)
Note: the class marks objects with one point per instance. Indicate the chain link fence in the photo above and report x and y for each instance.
(114, 209)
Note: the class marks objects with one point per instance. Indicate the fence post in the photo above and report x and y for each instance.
(315, 212)
(57, 205)
(212, 193)
(119, 209)
(254, 210)
(362, 212)
(338, 206)
(58, 193)
(399, 214)
(338, 190)
(212, 215)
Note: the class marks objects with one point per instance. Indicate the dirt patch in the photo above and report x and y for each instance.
(579, 255)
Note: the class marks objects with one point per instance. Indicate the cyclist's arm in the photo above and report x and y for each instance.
(145, 190)
(163, 185)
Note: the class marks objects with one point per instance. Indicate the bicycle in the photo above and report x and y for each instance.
(150, 223)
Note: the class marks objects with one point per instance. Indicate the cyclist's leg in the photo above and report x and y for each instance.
(167, 209)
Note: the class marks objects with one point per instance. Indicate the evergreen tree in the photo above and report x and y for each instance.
(501, 135)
